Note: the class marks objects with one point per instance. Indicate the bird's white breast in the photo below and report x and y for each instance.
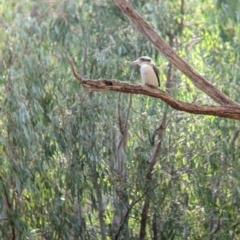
(148, 75)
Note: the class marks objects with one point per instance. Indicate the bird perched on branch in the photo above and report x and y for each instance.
(149, 72)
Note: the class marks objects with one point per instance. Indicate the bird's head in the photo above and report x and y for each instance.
(143, 59)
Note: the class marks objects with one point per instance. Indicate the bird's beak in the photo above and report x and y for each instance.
(136, 62)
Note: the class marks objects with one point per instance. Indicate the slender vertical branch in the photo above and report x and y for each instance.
(101, 208)
(144, 214)
(152, 161)
(121, 197)
(155, 229)
(181, 23)
(11, 155)
(80, 214)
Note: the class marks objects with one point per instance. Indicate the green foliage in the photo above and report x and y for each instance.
(59, 142)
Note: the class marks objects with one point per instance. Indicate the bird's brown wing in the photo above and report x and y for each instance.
(157, 74)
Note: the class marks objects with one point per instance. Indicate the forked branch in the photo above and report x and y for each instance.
(228, 108)
(198, 80)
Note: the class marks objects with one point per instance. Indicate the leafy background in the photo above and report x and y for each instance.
(74, 162)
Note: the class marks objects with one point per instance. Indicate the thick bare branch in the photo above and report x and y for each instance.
(229, 111)
(199, 81)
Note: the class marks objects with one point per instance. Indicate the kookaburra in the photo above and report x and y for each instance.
(149, 72)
